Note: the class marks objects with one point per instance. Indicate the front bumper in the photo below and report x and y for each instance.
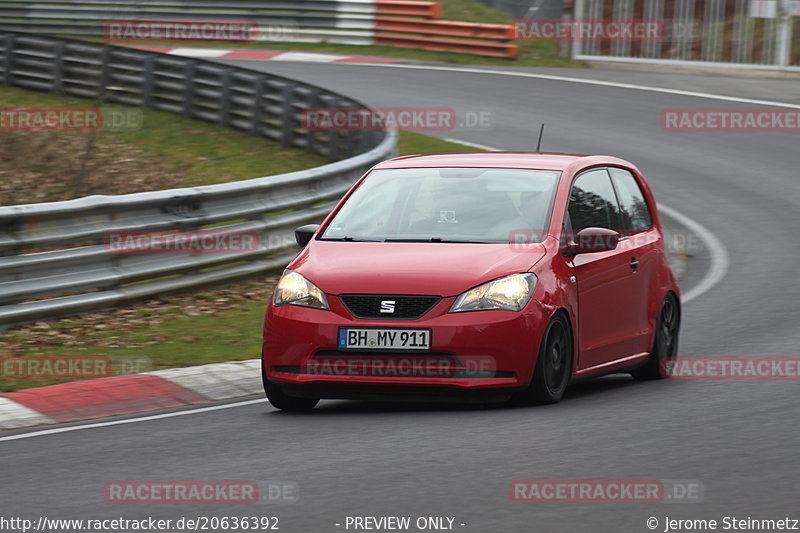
(471, 351)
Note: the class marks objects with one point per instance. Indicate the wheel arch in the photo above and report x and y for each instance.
(563, 311)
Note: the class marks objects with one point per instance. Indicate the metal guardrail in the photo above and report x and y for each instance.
(361, 22)
(76, 17)
(76, 273)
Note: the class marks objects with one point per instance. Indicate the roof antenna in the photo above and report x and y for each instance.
(539, 144)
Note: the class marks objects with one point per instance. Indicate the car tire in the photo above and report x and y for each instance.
(665, 342)
(553, 366)
(280, 400)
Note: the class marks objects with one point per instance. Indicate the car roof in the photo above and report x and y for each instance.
(526, 160)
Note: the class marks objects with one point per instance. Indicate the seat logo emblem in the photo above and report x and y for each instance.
(387, 306)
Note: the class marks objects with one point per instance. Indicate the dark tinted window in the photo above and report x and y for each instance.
(635, 213)
(592, 202)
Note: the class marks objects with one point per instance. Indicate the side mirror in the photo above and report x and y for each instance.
(303, 234)
(591, 240)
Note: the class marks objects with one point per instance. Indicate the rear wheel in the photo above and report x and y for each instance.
(553, 366)
(281, 400)
(665, 344)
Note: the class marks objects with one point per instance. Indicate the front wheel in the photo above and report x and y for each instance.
(665, 344)
(281, 400)
(553, 366)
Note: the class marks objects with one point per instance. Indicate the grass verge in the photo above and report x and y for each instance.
(166, 152)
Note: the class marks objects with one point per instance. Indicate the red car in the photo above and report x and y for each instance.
(483, 276)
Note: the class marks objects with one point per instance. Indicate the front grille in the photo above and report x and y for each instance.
(406, 307)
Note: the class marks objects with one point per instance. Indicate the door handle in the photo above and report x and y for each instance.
(634, 263)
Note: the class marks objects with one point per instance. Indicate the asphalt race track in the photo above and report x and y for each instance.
(739, 439)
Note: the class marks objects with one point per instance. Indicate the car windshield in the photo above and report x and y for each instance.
(486, 205)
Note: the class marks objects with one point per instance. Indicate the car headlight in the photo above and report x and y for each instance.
(510, 293)
(294, 289)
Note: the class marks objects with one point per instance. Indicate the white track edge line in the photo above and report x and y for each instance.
(95, 425)
(719, 258)
(586, 81)
(473, 145)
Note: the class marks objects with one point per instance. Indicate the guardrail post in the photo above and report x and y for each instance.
(225, 100)
(287, 114)
(349, 143)
(333, 145)
(103, 88)
(9, 43)
(147, 80)
(58, 68)
(334, 136)
(311, 135)
(783, 45)
(257, 112)
(188, 90)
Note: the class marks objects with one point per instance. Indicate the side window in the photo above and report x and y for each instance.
(592, 202)
(635, 213)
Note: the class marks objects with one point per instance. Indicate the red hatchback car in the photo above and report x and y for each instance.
(483, 276)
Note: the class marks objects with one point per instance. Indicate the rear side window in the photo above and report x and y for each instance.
(635, 213)
(592, 202)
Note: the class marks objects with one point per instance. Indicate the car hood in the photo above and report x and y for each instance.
(442, 269)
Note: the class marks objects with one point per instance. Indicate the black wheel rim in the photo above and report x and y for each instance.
(557, 357)
(668, 321)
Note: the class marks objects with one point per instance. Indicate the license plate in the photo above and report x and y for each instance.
(384, 339)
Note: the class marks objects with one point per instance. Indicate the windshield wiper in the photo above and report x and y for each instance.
(413, 239)
(434, 239)
(349, 239)
(403, 239)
